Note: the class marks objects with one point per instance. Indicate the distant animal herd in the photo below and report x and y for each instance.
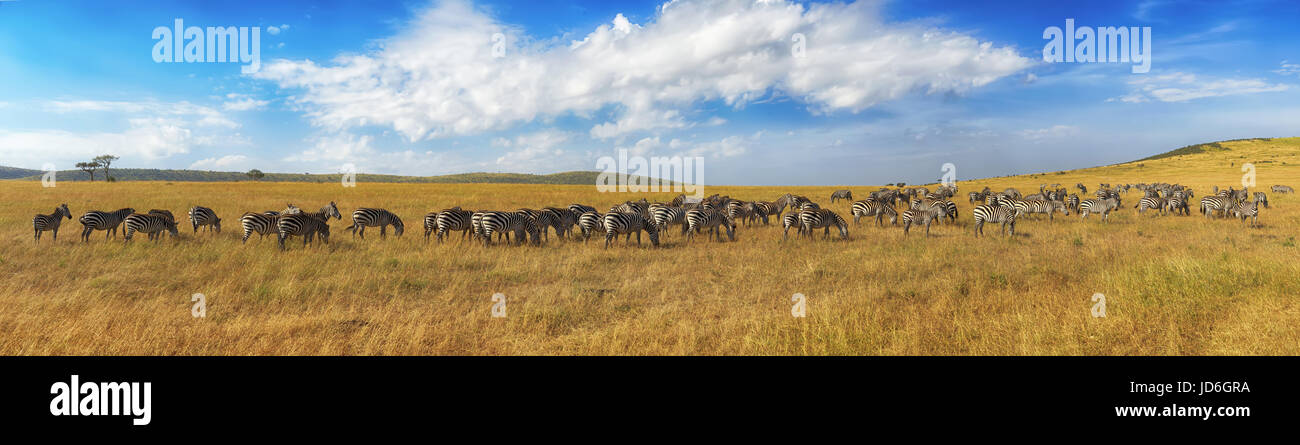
(714, 214)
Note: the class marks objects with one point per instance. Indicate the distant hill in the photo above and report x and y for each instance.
(149, 174)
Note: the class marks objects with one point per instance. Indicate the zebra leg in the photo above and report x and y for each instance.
(281, 236)
(383, 232)
(638, 238)
(609, 236)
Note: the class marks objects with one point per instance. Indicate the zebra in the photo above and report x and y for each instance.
(1282, 189)
(841, 194)
(1247, 210)
(449, 220)
(163, 213)
(1072, 202)
(51, 222)
(521, 223)
(810, 219)
(590, 222)
(1261, 198)
(1211, 204)
(1152, 202)
(579, 209)
(870, 207)
(740, 210)
(365, 217)
(562, 219)
(1178, 205)
(152, 224)
(665, 216)
(1005, 215)
(264, 223)
(203, 216)
(1081, 188)
(764, 209)
(543, 221)
(791, 220)
(325, 213)
(920, 216)
(626, 223)
(1102, 206)
(106, 221)
(698, 219)
(641, 207)
(304, 225)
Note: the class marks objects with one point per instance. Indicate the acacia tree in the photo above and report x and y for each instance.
(105, 161)
(256, 174)
(89, 168)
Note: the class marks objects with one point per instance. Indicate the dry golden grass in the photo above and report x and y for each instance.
(1174, 285)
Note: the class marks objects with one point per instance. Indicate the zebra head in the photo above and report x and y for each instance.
(398, 227)
(170, 225)
(63, 208)
(216, 224)
(331, 210)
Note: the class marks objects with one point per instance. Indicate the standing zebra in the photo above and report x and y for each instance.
(329, 211)
(51, 222)
(1247, 210)
(841, 194)
(203, 216)
(151, 223)
(106, 221)
(921, 216)
(1152, 202)
(562, 219)
(697, 219)
(591, 222)
(1102, 206)
(871, 207)
(452, 219)
(665, 216)
(365, 217)
(1212, 204)
(1261, 198)
(1178, 205)
(1282, 189)
(740, 210)
(791, 220)
(764, 209)
(304, 225)
(1005, 215)
(626, 223)
(264, 223)
(810, 219)
(502, 222)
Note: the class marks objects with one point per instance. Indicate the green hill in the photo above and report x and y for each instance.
(149, 174)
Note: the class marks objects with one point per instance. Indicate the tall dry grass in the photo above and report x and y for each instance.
(1173, 285)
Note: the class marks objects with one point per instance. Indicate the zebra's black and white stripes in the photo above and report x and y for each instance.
(1005, 215)
(51, 222)
(106, 221)
(625, 223)
(304, 225)
(152, 224)
(381, 218)
(711, 219)
(816, 218)
(203, 216)
(521, 223)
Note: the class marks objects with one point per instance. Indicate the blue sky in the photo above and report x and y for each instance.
(882, 91)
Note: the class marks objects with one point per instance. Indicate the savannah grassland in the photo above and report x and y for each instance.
(1173, 285)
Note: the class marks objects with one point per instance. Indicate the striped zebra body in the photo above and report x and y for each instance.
(562, 220)
(106, 221)
(163, 213)
(1178, 205)
(617, 223)
(811, 219)
(870, 207)
(579, 209)
(711, 219)
(203, 216)
(304, 225)
(152, 224)
(765, 209)
(1101, 206)
(1005, 215)
(1048, 207)
(543, 221)
(922, 216)
(665, 216)
(51, 222)
(365, 217)
(453, 219)
(263, 224)
(1282, 189)
(791, 220)
(1247, 210)
(591, 222)
(1261, 198)
(521, 223)
(841, 194)
(638, 207)
(1212, 204)
(1152, 202)
(740, 210)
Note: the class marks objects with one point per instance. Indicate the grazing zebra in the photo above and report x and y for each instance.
(1102, 206)
(841, 194)
(698, 219)
(870, 207)
(791, 220)
(591, 222)
(579, 209)
(304, 225)
(1282, 189)
(740, 210)
(1261, 198)
(543, 220)
(264, 223)
(450, 220)
(641, 207)
(920, 216)
(203, 216)
(1247, 210)
(562, 220)
(1152, 202)
(1178, 205)
(1005, 215)
(381, 218)
(1072, 202)
(764, 209)
(810, 219)
(106, 221)
(163, 213)
(665, 216)
(617, 223)
(51, 222)
(1212, 204)
(521, 223)
(152, 224)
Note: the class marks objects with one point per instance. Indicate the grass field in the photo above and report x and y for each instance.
(1173, 285)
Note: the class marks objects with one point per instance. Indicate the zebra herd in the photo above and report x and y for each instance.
(713, 215)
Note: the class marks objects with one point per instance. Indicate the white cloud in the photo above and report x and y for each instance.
(540, 152)
(438, 77)
(1054, 132)
(240, 102)
(273, 30)
(1288, 69)
(224, 162)
(1183, 87)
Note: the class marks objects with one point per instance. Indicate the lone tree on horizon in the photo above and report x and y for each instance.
(256, 174)
(105, 161)
(89, 168)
